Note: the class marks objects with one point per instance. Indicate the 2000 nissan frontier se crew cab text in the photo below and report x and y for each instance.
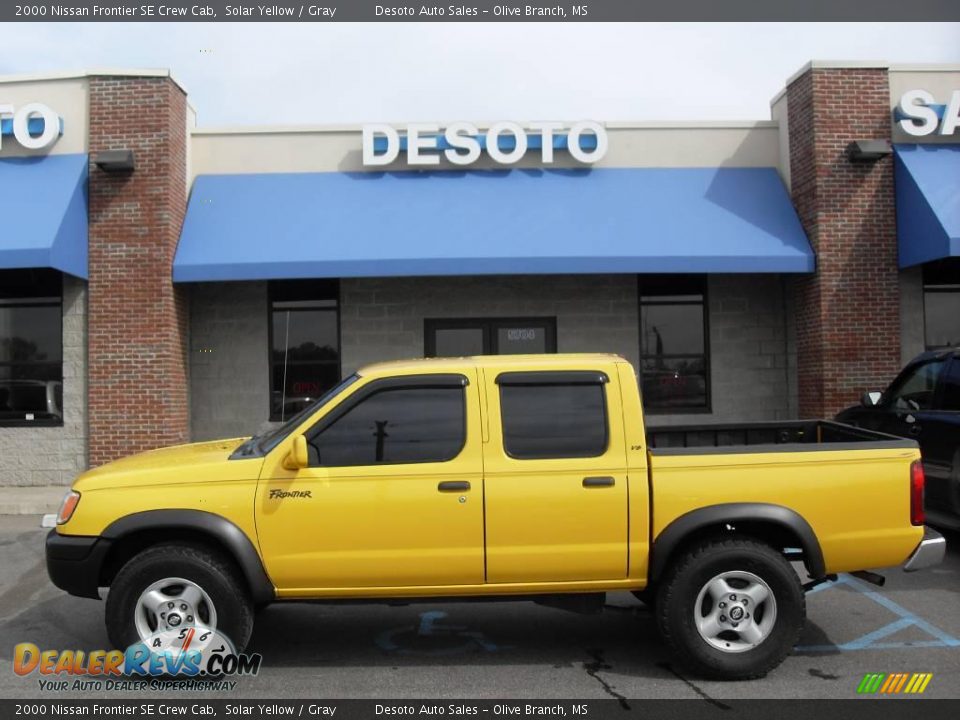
(526, 476)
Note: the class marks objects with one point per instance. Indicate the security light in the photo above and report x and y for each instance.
(868, 150)
(112, 161)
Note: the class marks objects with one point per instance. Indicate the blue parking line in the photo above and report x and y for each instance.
(871, 641)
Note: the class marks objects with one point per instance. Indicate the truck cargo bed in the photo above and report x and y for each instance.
(758, 437)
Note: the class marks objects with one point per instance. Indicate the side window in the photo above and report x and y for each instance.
(674, 343)
(304, 344)
(394, 425)
(915, 391)
(950, 390)
(31, 347)
(553, 415)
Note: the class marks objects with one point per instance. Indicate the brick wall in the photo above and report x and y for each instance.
(847, 313)
(137, 320)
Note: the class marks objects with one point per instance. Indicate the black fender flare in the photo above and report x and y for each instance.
(716, 515)
(218, 527)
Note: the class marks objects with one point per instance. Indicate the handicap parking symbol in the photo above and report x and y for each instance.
(432, 637)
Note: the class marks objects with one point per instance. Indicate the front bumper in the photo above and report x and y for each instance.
(74, 562)
(929, 552)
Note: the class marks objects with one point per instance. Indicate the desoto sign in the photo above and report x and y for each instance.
(918, 114)
(34, 126)
(462, 143)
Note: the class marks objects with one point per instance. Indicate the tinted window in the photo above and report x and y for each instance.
(950, 399)
(941, 303)
(674, 359)
(458, 342)
(31, 347)
(489, 336)
(915, 390)
(394, 425)
(305, 344)
(553, 421)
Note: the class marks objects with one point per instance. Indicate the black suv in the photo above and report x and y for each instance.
(923, 403)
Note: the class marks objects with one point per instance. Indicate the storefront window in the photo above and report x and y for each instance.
(674, 358)
(941, 304)
(304, 343)
(496, 336)
(31, 347)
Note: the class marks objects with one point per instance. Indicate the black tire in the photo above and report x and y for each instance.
(215, 574)
(677, 597)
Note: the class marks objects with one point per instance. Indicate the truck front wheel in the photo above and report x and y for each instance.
(731, 609)
(172, 587)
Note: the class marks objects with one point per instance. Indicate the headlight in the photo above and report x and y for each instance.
(69, 504)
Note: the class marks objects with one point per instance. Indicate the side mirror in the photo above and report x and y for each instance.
(871, 399)
(297, 458)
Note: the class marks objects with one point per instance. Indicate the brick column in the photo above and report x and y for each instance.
(137, 320)
(848, 312)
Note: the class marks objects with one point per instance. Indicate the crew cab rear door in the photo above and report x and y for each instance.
(555, 479)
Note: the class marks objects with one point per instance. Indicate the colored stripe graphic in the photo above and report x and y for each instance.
(894, 683)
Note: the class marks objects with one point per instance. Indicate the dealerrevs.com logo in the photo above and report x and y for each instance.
(188, 658)
(894, 683)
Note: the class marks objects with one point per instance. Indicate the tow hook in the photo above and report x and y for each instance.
(870, 577)
(807, 587)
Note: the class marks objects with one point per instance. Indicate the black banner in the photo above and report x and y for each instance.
(477, 11)
(620, 709)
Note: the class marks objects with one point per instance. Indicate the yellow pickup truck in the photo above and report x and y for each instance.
(524, 476)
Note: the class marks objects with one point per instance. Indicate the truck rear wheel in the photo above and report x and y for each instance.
(731, 609)
(174, 586)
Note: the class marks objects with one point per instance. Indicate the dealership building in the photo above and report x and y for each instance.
(163, 282)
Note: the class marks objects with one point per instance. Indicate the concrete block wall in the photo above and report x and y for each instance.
(229, 359)
(382, 319)
(54, 456)
(912, 323)
(751, 355)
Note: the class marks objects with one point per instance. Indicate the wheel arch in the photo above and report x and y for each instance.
(132, 533)
(776, 524)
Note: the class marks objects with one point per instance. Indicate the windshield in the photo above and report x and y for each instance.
(261, 444)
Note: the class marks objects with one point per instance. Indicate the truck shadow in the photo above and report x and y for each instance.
(623, 636)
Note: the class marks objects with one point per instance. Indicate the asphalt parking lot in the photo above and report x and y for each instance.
(516, 650)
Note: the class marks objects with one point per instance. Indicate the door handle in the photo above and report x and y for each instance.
(598, 482)
(453, 486)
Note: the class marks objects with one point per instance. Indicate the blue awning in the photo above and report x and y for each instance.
(928, 202)
(43, 204)
(697, 220)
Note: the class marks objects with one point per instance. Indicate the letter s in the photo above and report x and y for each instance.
(915, 105)
(462, 136)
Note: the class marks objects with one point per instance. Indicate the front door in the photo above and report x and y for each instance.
(392, 496)
(555, 477)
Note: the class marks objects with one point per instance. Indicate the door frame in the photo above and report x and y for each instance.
(488, 326)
